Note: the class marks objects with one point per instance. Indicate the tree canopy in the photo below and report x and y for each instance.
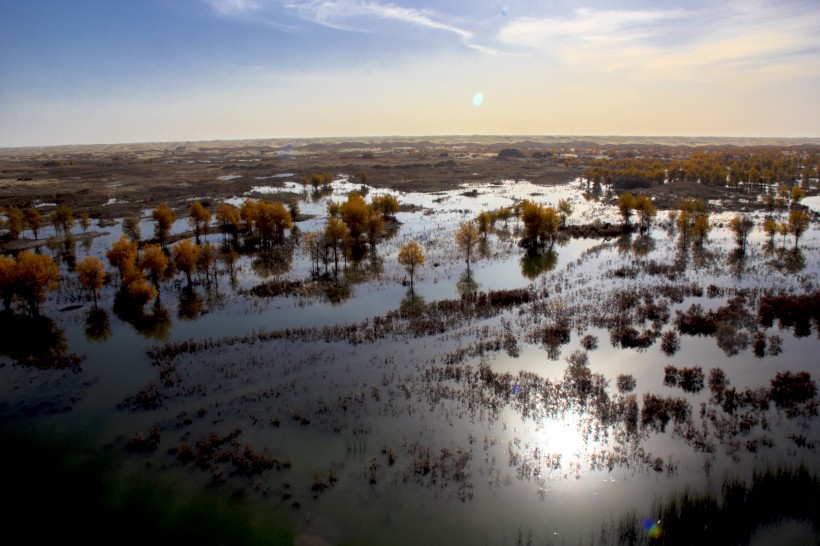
(411, 256)
(466, 239)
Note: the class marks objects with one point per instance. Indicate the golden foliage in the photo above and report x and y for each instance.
(122, 256)
(227, 216)
(33, 220)
(154, 262)
(387, 205)
(355, 213)
(541, 223)
(8, 277)
(272, 219)
(798, 223)
(91, 272)
(62, 218)
(186, 256)
(411, 256)
(248, 212)
(35, 275)
(626, 204)
(466, 238)
(646, 210)
(199, 217)
(164, 216)
(14, 221)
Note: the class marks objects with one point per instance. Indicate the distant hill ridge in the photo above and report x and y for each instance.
(492, 143)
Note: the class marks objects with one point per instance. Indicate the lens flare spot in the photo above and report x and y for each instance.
(478, 99)
(504, 11)
(653, 528)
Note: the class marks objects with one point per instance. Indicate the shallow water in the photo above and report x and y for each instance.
(505, 472)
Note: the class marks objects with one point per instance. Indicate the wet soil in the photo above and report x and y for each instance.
(106, 181)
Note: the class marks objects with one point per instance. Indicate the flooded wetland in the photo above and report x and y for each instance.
(584, 352)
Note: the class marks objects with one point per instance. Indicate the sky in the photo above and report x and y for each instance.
(117, 71)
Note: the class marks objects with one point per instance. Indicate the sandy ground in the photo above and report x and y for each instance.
(107, 181)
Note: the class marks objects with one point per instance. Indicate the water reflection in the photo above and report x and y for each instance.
(702, 257)
(467, 285)
(191, 304)
(788, 260)
(337, 291)
(153, 325)
(533, 264)
(375, 264)
(412, 304)
(484, 248)
(592, 191)
(97, 325)
(624, 244)
(320, 193)
(737, 262)
(274, 260)
(643, 245)
(33, 341)
(576, 398)
(68, 252)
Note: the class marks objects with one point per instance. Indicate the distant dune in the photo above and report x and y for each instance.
(492, 141)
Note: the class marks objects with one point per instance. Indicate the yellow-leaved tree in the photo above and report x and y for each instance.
(355, 213)
(62, 218)
(164, 216)
(36, 274)
(154, 263)
(123, 257)
(466, 239)
(8, 277)
(186, 256)
(411, 256)
(91, 272)
(199, 217)
(799, 221)
(272, 219)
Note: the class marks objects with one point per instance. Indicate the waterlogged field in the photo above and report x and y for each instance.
(550, 399)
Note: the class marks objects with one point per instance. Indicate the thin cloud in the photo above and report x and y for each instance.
(585, 25)
(737, 41)
(347, 15)
(342, 14)
(234, 7)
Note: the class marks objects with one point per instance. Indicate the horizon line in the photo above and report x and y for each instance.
(399, 136)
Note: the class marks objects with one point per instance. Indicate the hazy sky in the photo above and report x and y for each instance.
(99, 71)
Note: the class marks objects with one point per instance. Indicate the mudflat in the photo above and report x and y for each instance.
(107, 181)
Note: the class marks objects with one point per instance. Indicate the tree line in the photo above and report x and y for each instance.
(352, 228)
(717, 168)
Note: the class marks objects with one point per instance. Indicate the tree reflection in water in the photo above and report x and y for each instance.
(790, 260)
(643, 245)
(412, 304)
(337, 291)
(274, 260)
(97, 325)
(467, 285)
(153, 325)
(33, 341)
(190, 304)
(534, 264)
(737, 262)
